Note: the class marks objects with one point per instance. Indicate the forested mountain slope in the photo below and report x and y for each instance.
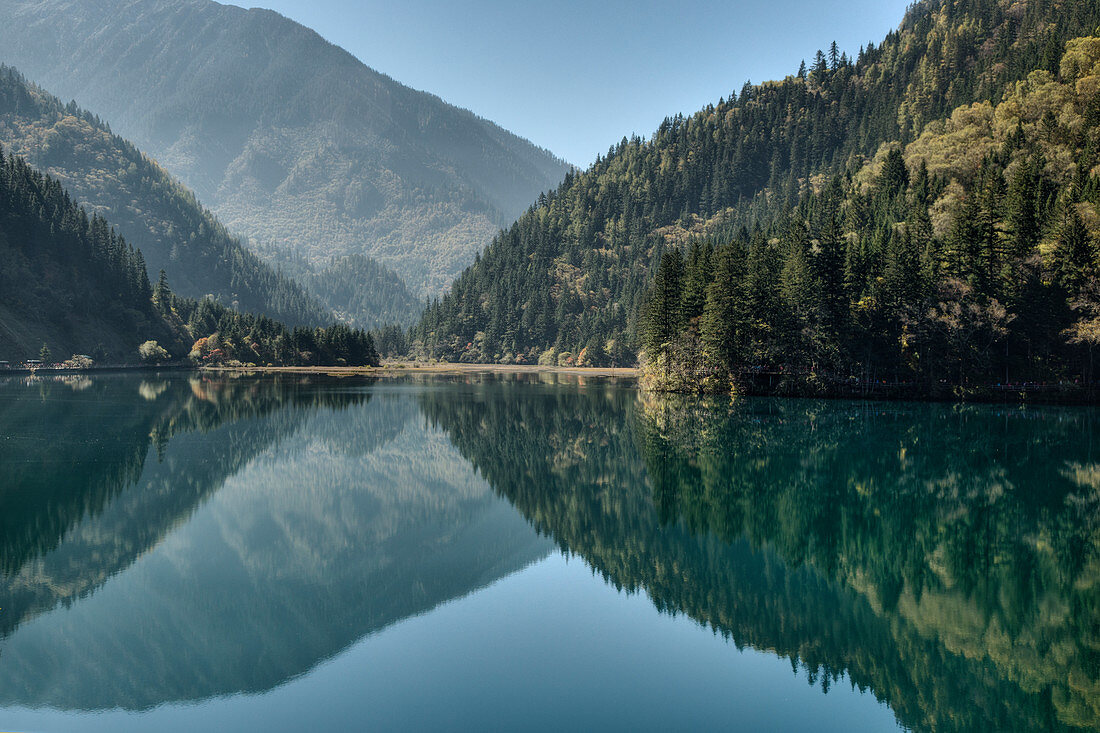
(71, 284)
(66, 280)
(359, 290)
(967, 258)
(113, 179)
(571, 275)
(363, 292)
(291, 140)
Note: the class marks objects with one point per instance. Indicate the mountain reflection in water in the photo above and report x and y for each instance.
(175, 540)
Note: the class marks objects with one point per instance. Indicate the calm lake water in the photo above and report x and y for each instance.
(547, 553)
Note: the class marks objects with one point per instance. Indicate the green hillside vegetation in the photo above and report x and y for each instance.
(242, 338)
(112, 179)
(364, 293)
(68, 280)
(968, 256)
(359, 290)
(292, 141)
(71, 284)
(572, 274)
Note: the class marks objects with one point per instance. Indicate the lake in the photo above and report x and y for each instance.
(542, 552)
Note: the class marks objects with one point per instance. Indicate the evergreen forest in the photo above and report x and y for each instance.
(922, 212)
(113, 179)
(72, 285)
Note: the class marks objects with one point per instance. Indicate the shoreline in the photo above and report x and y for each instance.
(754, 386)
(396, 369)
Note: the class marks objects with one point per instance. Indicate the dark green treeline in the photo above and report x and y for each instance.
(70, 281)
(67, 279)
(857, 284)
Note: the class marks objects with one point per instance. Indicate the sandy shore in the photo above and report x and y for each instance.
(396, 369)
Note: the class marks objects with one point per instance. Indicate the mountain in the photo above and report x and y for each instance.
(70, 284)
(364, 293)
(359, 290)
(568, 281)
(113, 179)
(292, 141)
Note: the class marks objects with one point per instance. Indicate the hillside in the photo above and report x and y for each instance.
(359, 290)
(572, 274)
(68, 281)
(966, 259)
(70, 284)
(290, 140)
(362, 292)
(113, 179)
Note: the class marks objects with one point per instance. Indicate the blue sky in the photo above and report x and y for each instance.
(574, 76)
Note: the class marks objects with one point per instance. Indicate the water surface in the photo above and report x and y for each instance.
(539, 552)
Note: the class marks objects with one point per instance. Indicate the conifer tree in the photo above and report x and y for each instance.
(1022, 206)
(723, 325)
(663, 319)
(697, 276)
(1074, 257)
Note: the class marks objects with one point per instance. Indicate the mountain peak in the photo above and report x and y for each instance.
(291, 140)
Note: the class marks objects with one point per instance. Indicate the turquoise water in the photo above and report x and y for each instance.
(539, 553)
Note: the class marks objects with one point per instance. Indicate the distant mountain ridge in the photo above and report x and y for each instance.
(292, 141)
(108, 176)
(70, 284)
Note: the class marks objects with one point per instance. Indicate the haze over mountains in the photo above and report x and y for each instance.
(71, 285)
(109, 177)
(292, 141)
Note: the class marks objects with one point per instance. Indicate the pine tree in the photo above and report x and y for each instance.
(723, 325)
(162, 294)
(895, 175)
(1074, 258)
(820, 72)
(663, 319)
(1022, 206)
(697, 276)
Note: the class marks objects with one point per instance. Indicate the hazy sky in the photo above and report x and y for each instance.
(574, 76)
